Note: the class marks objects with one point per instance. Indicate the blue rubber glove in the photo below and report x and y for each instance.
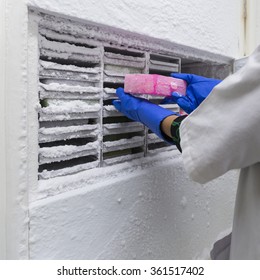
(198, 88)
(141, 110)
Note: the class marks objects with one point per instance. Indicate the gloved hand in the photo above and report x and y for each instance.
(198, 88)
(141, 110)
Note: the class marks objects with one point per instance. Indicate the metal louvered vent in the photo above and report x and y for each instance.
(122, 139)
(79, 71)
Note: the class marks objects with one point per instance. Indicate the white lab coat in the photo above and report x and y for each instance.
(223, 133)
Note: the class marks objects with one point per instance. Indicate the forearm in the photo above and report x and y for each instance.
(170, 127)
(166, 125)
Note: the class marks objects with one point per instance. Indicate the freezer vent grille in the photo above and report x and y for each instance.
(79, 128)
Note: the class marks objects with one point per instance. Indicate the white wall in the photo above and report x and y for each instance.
(2, 134)
(148, 212)
(209, 25)
(15, 132)
(252, 23)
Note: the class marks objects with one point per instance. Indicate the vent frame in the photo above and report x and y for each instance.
(105, 41)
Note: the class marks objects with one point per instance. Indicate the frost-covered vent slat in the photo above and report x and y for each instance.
(66, 152)
(122, 140)
(76, 75)
(164, 65)
(116, 128)
(116, 65)
(48, 134)
(80, 68)
(63, 50)
(70, 95)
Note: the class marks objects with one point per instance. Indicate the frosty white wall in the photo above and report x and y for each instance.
(210, 26)
(2, 134)
(15, 133)
(214, 26)
(149, 211)
(252, 25)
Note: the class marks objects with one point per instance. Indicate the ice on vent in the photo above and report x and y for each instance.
(123, 144)
(80, 68)
(63, 50)
(66, 152)
(109, 93)
(64, 91)
(114, 77)
(119, 159)
(49, 134)
(47, 174)
(66, 110)
(69, 74)
(46, 65)
(117, 64)
(110, 111)
(163, 63)
(117, 128)
(73, 106)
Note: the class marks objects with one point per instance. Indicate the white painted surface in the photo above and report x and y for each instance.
(150, 216)
(16, 129)
(151, 212)
(214, 26)
(252, 25)
(2, 135)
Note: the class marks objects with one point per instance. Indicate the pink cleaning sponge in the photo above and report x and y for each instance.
(153, 84)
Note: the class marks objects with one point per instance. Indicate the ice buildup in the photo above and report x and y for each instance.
(153, 84)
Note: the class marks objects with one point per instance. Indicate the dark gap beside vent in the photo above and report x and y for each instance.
(125, 152)
(123, 52)
(116, 120)
(161, 72)
(74, 142)
(113, 85)
(108, 102)
(115, 137)
(156, 100)
(79, 122)
(43, 103)
(154, 146)
(66, 163)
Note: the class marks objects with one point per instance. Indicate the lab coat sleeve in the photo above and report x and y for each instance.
(223, 133)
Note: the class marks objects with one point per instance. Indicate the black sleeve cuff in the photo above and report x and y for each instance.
(175, 131)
